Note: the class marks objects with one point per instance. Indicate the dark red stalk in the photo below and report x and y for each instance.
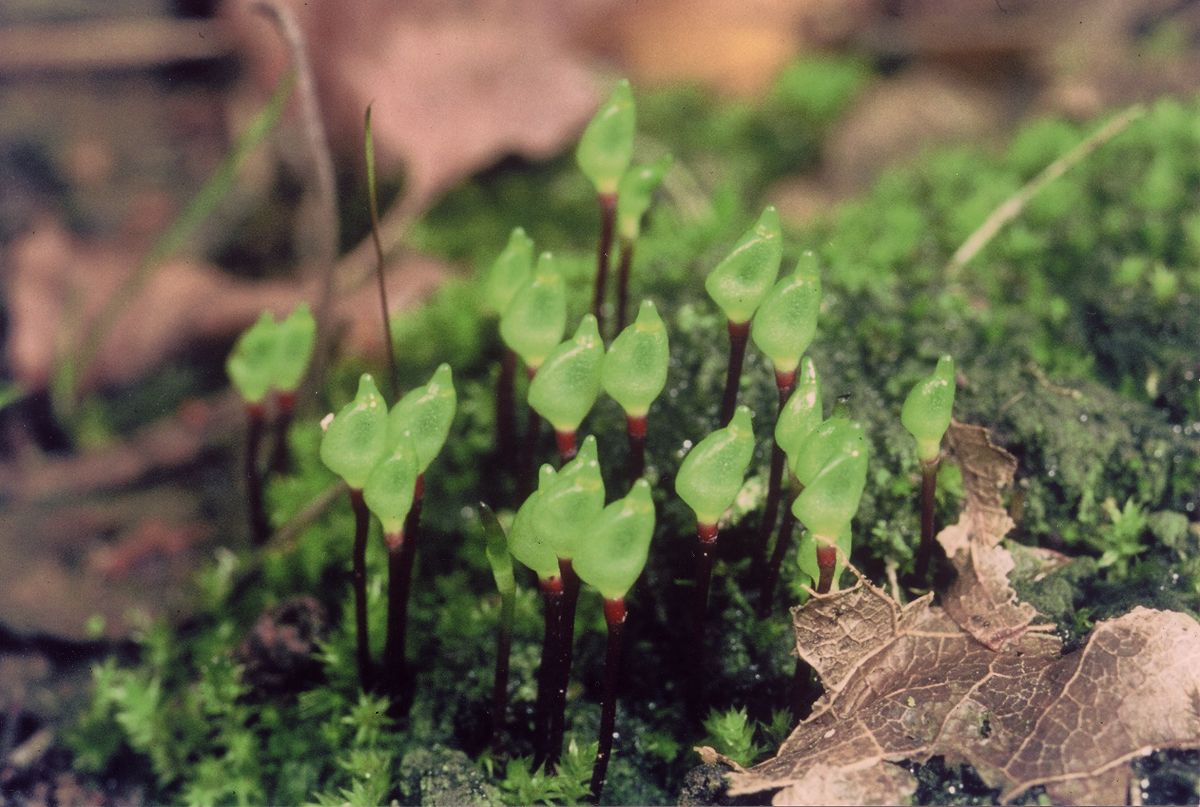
(929, 471)
(706, 546)
(500, 681)
(608, 220)
(784, 382)
(558, 710)
(614, 615)
(373, 205)
(362, 520)
(281, 456)
(552, 600)
(567, 449)
(635, 426)
(401, 559)
(826, 562)
(766, 600)
(506, 417)
(738, 333)
(260, 528)
(623, 269)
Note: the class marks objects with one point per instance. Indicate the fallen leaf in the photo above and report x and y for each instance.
(57, 282)
(453, 87)
(908, 683)
(981, 599)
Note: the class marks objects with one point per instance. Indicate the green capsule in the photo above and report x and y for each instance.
(525, 544)
(570, 502)
(830, 500)
(926, 412)
(801, 415)
(712, 473)
(251, 362)
(534, 321)
(568, 382)
(509, 272)
(837, 435)
(496, 548)
(357, 437)
(786, 322)
(739, 283)
(614, 553)
(388, 491)
(634, 192)
(635, 369)
(427, 413)
(607, 143)
(294, 340)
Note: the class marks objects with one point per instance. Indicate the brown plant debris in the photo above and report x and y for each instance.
(981, 599)
(975, 683)
(908, 683)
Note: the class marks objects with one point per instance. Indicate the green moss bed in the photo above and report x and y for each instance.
(1077, 336)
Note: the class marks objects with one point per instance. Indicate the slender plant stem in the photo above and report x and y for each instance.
(623, 270)
(506, 425)
(706, 545)
(774, 486)
(608, 219)
(281, 455)
(504, 634)
(373, 204)
(826, 563)
(399, 594)
(260, 529)
(614, 615)
(552, 599)
(558, 711)
(929, 471)
(635, 427)
(362, 520)
(1011, 207)
(786, 527)
(738, 333)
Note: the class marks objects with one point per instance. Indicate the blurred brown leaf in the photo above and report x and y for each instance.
(56, 282)
(453, 86)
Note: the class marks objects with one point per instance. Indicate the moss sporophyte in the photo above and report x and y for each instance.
(508, 273)
(568, 383)
(634, 375)
(926, 415)
(738, 285)
(603, 154)
(633, 200)
(269, 359)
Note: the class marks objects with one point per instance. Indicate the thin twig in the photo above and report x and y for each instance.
(1011, 207)
(325, 219)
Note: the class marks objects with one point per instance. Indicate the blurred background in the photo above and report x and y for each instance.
(114, 471)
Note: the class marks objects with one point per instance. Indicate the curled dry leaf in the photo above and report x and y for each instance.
(981, 599)
(908, 683)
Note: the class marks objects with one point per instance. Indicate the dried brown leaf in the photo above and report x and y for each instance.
(981, 599)
(453, 87)
(907, 682)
